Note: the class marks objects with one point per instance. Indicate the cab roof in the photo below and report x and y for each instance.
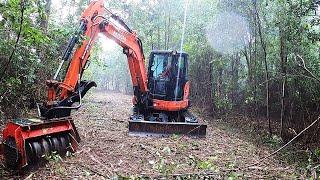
(167, 52)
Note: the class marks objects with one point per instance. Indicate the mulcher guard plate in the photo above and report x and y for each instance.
(164, 129)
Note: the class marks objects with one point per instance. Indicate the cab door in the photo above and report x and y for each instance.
(180, 76)
(159, 73)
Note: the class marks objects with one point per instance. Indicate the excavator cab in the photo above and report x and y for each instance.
(167, 75)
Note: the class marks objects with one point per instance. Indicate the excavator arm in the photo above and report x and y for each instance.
(62, 95)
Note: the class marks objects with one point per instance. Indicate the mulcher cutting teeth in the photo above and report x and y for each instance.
(54, 144)
(27, 141)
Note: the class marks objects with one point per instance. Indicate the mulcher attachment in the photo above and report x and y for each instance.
(28, 141)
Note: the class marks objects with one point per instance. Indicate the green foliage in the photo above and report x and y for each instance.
(274, 141)
(54, 156)
(34, 55)
(311, 167)
(208, 166)
(233, 176)
(163, 165)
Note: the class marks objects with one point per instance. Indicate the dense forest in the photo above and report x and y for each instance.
(248, 58)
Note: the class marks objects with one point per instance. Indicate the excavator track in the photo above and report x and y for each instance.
(29, 141)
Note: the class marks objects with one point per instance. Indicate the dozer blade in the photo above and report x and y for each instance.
(28, 141)
(164, 129)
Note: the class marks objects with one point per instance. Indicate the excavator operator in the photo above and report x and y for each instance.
(166, 72)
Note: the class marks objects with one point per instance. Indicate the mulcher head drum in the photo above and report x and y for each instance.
(27, 141)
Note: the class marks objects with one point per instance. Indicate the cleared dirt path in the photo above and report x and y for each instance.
(107, 151)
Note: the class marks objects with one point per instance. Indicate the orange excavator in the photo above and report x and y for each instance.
(160, 95)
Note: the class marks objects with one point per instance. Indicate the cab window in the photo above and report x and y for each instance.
(160, 63)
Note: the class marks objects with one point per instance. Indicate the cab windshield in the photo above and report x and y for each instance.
(168, 66)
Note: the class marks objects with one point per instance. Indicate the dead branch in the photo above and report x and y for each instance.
(288, 143)
(302, 64)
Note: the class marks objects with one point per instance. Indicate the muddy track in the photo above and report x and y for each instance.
(107, 151)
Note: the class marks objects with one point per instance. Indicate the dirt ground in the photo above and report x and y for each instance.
(106, 151)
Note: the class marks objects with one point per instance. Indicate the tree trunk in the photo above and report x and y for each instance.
(264, 48)
(283, 56)
(169, 32)
(253, 58)
(42, 73)
(235, 79)
(152, 45)
(165, 32)
(282, 104)
(219, 83)
(159, 38)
